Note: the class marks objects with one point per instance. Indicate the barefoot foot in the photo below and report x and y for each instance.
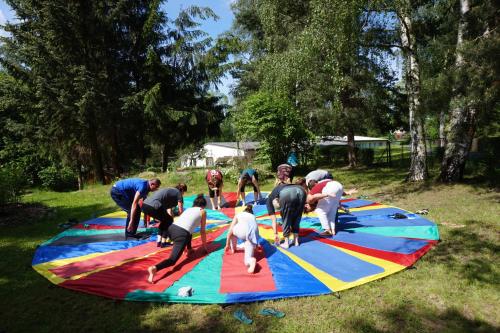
(151, 271)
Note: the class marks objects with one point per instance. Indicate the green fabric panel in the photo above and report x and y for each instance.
(422, 232)
(204, 278)
(91, 232)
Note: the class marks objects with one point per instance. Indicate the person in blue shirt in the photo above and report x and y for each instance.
(248, 176)
(127, 194)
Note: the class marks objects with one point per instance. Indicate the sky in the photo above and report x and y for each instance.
(222, 9)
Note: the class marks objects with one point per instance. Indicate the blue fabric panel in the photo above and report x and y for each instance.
(379, 212)
(249, 199)
(392, 244)
(108, 221)
(216, 215)
(259, 210)
(357, 203)
(290, 279)
(383, 222)
(335, 262)
(50, 253)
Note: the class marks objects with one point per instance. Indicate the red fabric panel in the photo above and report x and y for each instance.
(118, 281)
(105, 260)
(229, 212)
(235, 278)
(231, 199)
(398, 258)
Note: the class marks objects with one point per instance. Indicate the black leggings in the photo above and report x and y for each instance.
(161, 215)
(181, 239)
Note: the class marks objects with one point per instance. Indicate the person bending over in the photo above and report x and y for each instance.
(290, 200)
(127, 194)
(160, 206)
(248, 176)
(215, 183)
(324, 199)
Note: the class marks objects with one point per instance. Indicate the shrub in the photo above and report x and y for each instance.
(63, 179)
(12, 182)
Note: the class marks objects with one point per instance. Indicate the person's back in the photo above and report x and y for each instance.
(166, 197)
(190, 219)
(130, 186)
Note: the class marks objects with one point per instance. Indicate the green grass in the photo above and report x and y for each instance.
(453, 288)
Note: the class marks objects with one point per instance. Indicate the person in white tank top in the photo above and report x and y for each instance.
(244, 227)
(181, 233)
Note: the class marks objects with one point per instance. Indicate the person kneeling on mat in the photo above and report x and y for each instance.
(244, 227)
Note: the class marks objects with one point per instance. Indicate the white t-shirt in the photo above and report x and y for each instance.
(246, 228)
(189, 219)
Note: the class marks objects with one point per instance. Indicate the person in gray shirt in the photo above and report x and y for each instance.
(315, 176)
(160, 206)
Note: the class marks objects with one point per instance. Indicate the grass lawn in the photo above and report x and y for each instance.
(453, 288)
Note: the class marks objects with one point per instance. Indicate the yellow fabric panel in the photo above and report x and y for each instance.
(117, 214)
(369, 207)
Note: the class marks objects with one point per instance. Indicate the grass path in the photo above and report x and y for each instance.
(453, 288)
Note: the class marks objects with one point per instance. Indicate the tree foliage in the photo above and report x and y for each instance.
(273, 121)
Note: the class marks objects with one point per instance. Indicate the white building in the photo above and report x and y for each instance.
(214, 153)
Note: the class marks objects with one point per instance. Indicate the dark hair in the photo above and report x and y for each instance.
(155, 181)
(311, 183)
(182, 187)
(200, 201)
(249, 209)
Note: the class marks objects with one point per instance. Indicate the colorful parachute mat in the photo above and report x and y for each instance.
(94, 257)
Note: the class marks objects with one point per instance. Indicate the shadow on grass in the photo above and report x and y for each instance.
(467, 252)
(408, 319)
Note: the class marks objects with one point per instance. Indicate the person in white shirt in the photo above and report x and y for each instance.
(244, 227)
(181, 233)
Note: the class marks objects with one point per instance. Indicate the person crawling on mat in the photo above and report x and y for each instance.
(290, 200)
(215, 184)
(324, 199)
(244, 227)
(160, 206)
(127, 193)
(248, 176)
(181, 233)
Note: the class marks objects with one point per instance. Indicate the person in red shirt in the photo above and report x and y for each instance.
(324, 199)
(215, 183)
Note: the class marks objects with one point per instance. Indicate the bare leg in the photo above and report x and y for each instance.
(251, 265)
(152, 272)
(296, 239)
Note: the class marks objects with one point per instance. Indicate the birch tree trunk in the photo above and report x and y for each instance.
(462, 116)
(418, 153)
(442, 125)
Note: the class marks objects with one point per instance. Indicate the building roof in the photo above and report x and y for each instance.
(342, 140)
(245, 145)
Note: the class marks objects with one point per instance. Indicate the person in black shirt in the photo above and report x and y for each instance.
(160, 207)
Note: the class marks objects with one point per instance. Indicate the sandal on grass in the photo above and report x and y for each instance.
(241, 316)
(271, 312)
